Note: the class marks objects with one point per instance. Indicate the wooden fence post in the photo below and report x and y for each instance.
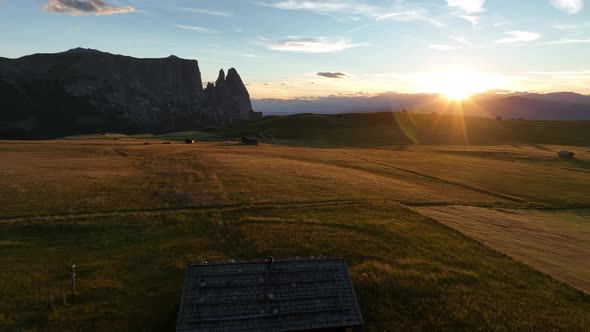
(74, 280)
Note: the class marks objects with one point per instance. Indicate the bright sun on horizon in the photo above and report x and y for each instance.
(457, 93)
(458, 85)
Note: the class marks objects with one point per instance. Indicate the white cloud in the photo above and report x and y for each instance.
(469, 6)
(518, 37)
(568, 6)
(309, 44)
(196, 28)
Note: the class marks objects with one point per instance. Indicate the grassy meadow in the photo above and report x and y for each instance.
(408, 128)
(132, 215)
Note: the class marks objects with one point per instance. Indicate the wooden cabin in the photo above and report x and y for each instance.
(566, 154)
(269, 295)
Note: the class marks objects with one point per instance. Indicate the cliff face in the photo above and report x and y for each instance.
(229, 99)
(86, 91)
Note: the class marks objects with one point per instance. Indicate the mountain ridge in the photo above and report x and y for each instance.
(85, 91)
(550, 106)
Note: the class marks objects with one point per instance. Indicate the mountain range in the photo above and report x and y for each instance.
(88, 91)
(532, 106)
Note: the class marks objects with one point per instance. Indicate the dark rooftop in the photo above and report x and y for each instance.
(294, 295)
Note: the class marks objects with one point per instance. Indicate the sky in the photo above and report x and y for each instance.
(310, 48)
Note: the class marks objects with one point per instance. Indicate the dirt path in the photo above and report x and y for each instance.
(159, 211)
(553, 242)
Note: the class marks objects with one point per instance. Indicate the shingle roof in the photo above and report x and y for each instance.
(268, 296)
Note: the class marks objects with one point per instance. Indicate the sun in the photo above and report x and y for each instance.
(457, 93)
(458, 85)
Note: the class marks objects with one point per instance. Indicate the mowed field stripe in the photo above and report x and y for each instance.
(464, 186)
(554, 242)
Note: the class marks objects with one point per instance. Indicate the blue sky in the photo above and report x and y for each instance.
(280, 46)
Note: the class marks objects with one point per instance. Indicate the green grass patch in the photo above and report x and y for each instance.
(409, 271)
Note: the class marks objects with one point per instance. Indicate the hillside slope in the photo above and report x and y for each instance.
(402, 128)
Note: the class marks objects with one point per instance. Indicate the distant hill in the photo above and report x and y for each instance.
(403, 128)
(552, 106)
(85, 91)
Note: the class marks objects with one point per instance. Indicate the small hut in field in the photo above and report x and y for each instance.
(269, 295)
(250, 140)
(566, 154)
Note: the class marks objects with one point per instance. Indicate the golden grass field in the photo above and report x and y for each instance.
(133, 215)
(554, 242)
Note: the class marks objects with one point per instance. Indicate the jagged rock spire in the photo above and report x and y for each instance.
(220, 78)
(228, 98)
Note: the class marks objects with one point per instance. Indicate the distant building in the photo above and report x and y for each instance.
(566, 154)
(250, 140)
(294, 295)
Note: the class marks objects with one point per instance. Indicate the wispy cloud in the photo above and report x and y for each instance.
(332, 75)
(196, 28)
(399, 12)
(411, 15)
(309, 44)
(572, 26)
(84, 7)
(518, 37)
(461, 40)
(568, 6)
(500, 24)
(469, 6)
(324, 6)
(474, 20)
(467, 9)
(568, 41)
(218, 13)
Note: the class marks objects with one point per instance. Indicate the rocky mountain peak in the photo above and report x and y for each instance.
(63, 94)
(220, 78)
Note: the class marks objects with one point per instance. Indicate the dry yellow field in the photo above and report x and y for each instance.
(93, 175)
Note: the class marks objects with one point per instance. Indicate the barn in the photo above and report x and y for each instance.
(269, 295)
